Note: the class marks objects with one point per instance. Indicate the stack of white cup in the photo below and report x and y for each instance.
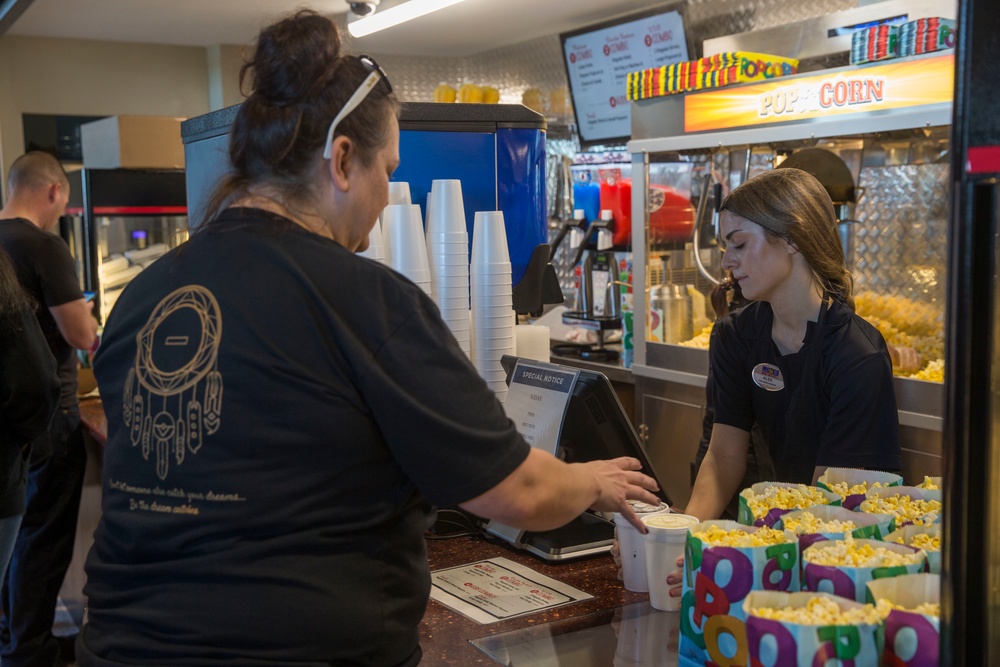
(399, 193)
(492, 299)
(448, 257)
(404, 242)
(376, 246)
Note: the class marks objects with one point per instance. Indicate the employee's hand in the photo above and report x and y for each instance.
(675, 579)
(619, 481)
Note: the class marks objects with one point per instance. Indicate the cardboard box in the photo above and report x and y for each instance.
(133, 142)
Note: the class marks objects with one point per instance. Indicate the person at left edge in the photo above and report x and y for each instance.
(38, 191)
(29, 396)
(282, 412)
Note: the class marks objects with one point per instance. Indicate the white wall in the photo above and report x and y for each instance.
(86, 77)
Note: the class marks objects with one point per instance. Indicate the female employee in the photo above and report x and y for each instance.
(798, 363)
(282, 413)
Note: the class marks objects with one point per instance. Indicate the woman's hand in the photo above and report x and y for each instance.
(674, 579)
(619, 481)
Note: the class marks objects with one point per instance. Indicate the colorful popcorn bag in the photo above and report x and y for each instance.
(908, 504)
(809, 629)
(911, 630)
(926, 35)
(844, 567)
(763, 503)
(715, 71)
(828, 522)
(852, 484)
(877, 42)
(723, 562)
(927, 538)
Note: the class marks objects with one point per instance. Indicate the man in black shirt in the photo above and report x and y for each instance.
(37, 194)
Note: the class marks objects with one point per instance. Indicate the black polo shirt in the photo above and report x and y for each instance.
(838, 411)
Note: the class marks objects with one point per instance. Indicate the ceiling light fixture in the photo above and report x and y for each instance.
(396, 15)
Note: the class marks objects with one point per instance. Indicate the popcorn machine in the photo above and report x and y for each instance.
(118, 221)
(893, 224)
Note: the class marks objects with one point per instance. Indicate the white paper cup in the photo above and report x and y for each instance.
(664, 545)
(403, 235)
(490, 278)
(490, 311)
(498, 343)
(496, 331)
(532, 342)
(449, 238)
(630, 544)
(491, 268)
(452, 303)
(456, 314)
(448, 212)
(489, 300)
(488, 293)
(489, 365)
(489, 238)
(442, 259)
(454, 270)
(376, 247)
(448, 292)
(399, 192)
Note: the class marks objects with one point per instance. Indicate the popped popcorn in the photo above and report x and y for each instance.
(915, 510)
(821, 611)
(848, 553)
(782, 497)
(928, 483)
(844, 489)
(929, 608)
(807, 522)
(932, 372)
(923, 541)
(763, 536)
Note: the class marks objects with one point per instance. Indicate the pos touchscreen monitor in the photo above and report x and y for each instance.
(595, 427)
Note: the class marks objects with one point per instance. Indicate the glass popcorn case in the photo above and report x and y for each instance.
(118, 222)
(886, 167)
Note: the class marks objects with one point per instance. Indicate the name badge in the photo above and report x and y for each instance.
(768, 377)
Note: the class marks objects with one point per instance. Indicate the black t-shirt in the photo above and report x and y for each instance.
(839, 411)
(281, 412)
(29, 395)
(46, 270)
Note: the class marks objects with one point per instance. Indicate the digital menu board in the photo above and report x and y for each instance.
(599, 58)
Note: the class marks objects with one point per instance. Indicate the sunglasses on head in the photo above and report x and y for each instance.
(375, 76)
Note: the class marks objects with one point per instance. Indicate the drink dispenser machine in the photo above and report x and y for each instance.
(496, 150)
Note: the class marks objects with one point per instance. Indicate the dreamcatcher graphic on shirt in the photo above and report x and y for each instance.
(173, 393)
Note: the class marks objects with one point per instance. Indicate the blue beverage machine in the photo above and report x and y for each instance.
(496, 150)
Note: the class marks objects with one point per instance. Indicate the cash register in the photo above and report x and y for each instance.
(594, 426)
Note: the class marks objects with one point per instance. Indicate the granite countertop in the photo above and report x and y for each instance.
(445, 634)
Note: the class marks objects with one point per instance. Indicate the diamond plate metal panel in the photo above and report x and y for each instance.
(901, 253)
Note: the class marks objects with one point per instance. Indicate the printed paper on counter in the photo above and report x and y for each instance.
(494, 590)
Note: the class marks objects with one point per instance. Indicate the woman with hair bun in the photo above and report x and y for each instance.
(797, 363)
(283, 414)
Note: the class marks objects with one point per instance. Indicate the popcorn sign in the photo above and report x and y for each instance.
(716, 581)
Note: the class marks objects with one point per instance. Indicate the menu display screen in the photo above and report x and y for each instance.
(599, 58)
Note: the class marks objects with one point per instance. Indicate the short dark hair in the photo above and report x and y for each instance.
(35, 169)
